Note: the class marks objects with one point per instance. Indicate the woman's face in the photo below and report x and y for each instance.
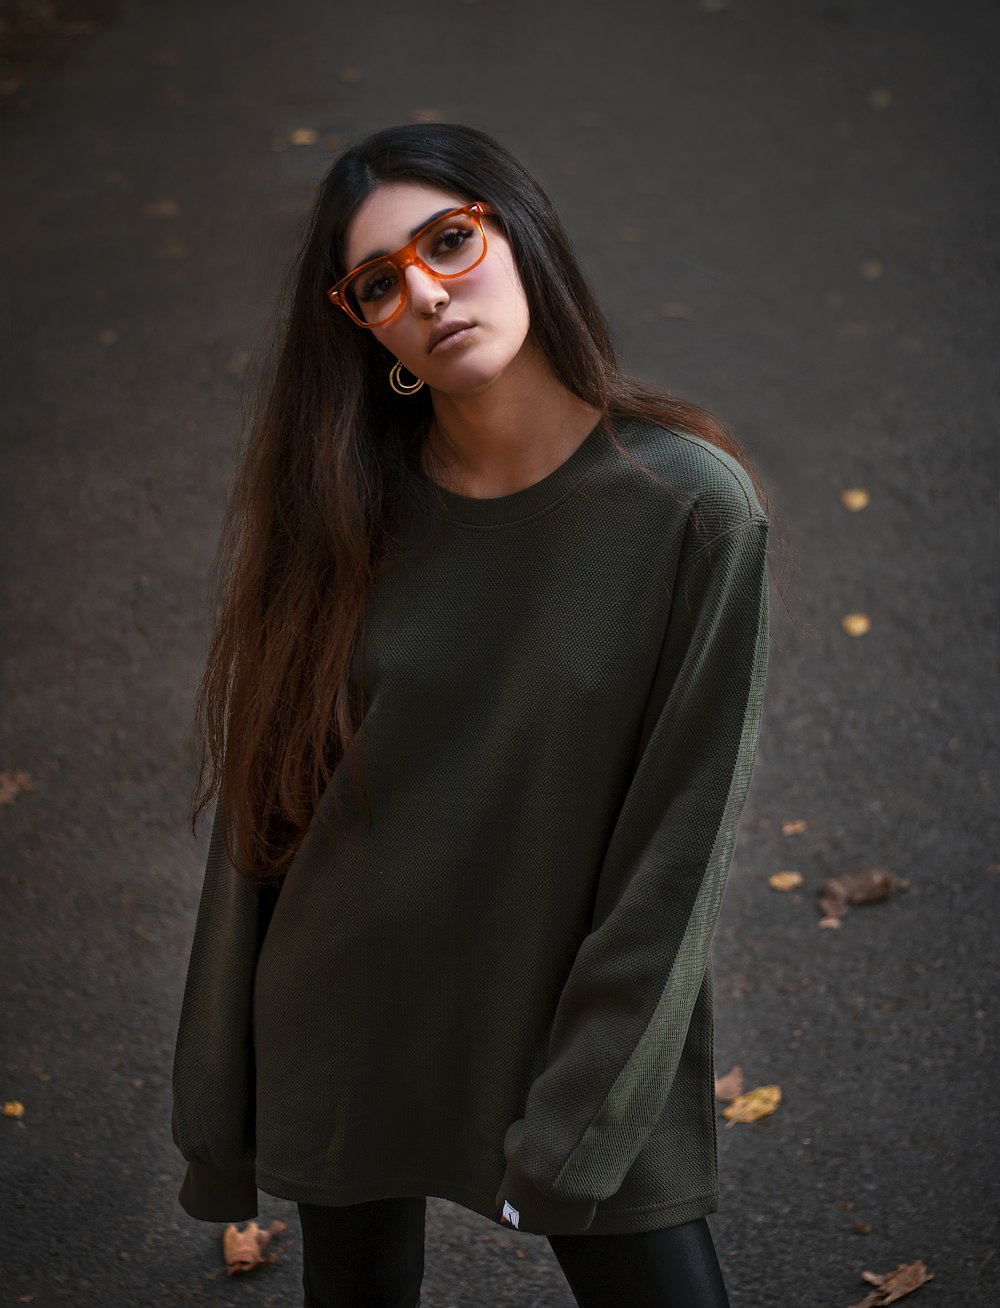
(490, 297)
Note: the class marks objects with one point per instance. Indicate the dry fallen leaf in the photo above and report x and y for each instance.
(13, 784)
(863, 885)
(303, 136)
(244, 1250)
(856, 624)
(784, 880)
(855, 498)
(894, 1285)
(756, 1103)
(13, 1108)
(793, 828)
(730, 1086)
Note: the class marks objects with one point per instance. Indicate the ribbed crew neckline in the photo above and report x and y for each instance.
(494, 511)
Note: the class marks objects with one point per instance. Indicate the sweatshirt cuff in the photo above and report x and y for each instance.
(522, 1204)
(219, 1194)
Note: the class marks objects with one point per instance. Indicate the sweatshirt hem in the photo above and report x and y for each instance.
(280, 1187)
(608, 1220)
(651, 1217)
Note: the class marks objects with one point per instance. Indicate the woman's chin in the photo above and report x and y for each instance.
(467, 378)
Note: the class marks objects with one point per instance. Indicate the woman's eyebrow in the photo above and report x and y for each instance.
(378, 254)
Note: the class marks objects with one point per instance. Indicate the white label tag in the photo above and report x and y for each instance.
(511, 1214)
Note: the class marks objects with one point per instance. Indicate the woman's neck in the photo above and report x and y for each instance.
(507, 436)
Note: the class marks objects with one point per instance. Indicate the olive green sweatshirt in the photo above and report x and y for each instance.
(495, 985)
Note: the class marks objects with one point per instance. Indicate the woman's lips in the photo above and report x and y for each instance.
(455, 338)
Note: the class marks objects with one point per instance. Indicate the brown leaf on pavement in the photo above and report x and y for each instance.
(894, 1285)
(13, 784)
(730, 1086)
(863, 885)
(244, 1250)
(794, 828)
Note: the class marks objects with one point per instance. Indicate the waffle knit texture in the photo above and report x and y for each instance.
(497, 987)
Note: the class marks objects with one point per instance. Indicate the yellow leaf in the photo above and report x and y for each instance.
(13, 1108)
(856, 624)
(785, 880)
(793, 828)
(757, 1103)
(303, 136)
(855, 498)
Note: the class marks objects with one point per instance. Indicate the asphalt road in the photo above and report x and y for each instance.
(790, 213)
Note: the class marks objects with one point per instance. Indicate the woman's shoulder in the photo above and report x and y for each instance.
(694, 476)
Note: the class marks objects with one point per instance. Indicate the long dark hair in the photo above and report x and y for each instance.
(327, 462)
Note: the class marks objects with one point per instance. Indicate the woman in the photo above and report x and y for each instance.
(481, 710)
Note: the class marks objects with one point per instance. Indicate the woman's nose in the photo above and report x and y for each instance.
(426, 294)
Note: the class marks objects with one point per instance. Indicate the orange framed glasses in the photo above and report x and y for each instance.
(450, 245)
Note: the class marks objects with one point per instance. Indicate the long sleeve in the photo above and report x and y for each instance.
(213, 1117)
(624, 1011)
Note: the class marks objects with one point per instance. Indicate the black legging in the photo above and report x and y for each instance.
(372, 1256)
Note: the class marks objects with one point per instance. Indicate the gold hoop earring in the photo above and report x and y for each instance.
(399, 386)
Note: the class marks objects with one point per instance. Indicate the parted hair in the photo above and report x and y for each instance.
(328, 460)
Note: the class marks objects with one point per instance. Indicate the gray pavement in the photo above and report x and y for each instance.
(790, 213)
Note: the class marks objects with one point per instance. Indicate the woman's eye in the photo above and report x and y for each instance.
(376, 286)
(452, 239)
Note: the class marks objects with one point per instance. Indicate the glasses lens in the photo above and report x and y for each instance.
(449, 247)
(374, 293)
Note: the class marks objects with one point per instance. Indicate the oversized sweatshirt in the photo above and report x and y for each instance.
(492, 981)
